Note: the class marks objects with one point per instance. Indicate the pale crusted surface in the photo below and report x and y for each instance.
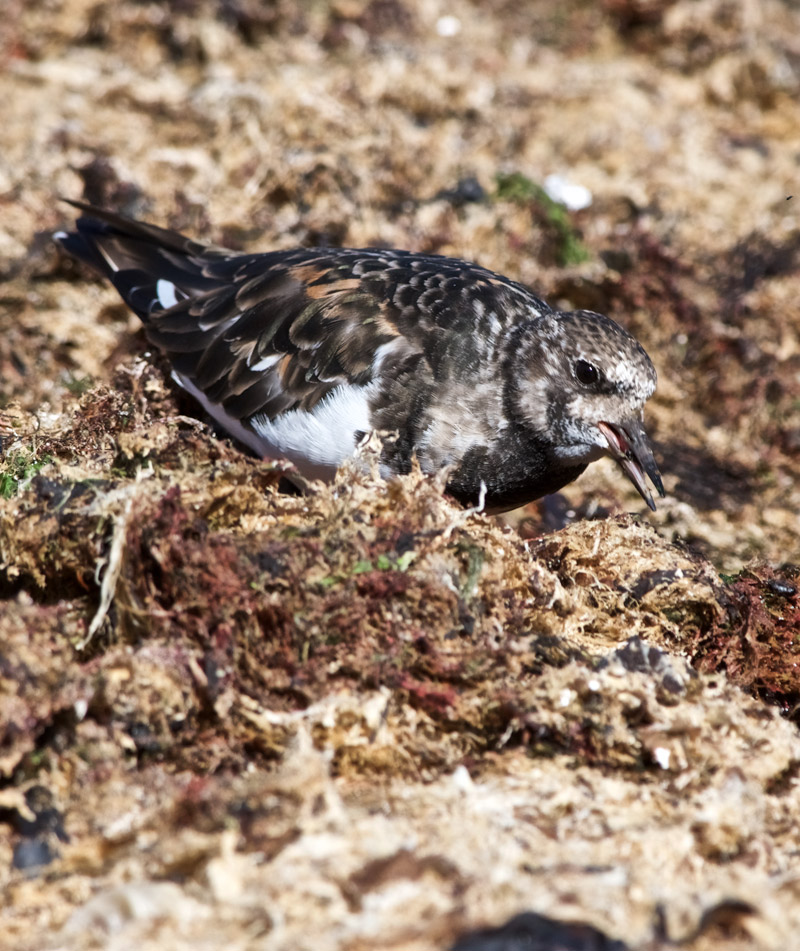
(362, 718)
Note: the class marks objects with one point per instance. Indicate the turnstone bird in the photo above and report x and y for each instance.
(298, 354)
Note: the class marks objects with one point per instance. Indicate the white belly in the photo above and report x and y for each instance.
(317, 441)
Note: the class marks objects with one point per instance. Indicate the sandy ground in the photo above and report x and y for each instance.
(361, 719)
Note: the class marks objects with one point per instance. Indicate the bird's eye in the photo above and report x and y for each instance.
(586, 373)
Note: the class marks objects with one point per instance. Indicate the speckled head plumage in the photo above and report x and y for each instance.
(582, 382)
(298, 353)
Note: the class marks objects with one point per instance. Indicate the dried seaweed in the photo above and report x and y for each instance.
(360, 717)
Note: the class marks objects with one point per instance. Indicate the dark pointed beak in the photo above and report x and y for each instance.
(629, 445)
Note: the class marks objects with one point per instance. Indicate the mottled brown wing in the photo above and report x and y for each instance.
(276, 335)
(266, 333)
(256, 333)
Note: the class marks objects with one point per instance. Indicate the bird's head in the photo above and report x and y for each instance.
(581, 382)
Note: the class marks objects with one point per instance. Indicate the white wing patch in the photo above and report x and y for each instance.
(165, 291)
(266, 363)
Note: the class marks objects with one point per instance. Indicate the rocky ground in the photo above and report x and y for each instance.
(361, 718)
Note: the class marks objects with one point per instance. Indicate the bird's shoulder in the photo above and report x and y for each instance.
(417, 291)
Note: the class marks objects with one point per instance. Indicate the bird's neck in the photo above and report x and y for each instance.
(522, 465)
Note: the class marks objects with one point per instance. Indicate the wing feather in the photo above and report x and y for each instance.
(264, 334)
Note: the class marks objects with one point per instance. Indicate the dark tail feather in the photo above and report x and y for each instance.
(152, 268)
